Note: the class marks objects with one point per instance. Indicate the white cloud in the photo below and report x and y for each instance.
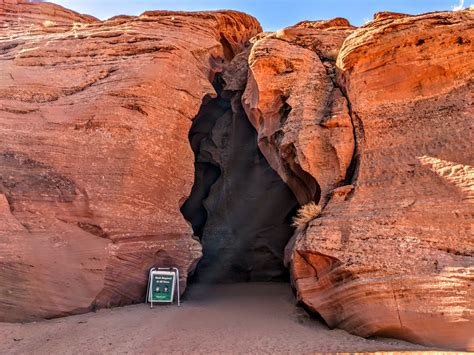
(460, 6)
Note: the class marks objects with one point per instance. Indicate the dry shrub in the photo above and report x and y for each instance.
(306, 214)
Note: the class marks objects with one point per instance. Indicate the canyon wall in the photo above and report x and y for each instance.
(94, 154)
(393, 252)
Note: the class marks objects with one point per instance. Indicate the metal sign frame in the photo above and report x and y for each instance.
(156, 271)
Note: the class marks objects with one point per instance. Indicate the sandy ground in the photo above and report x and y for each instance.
(258, 318)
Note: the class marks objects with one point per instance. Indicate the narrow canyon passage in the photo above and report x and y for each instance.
(239, 207)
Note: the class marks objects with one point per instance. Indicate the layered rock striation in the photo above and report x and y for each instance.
(94, 154)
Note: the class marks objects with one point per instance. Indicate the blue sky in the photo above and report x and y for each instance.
(272, 14)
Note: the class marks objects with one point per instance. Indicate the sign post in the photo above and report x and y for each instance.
(162, 285)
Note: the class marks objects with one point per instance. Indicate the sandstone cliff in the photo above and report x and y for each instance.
(94, 157)
(393, 252)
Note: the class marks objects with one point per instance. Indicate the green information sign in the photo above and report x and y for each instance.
(162, 283)
(162, 286)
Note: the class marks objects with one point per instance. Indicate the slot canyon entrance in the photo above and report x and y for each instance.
(239, 207)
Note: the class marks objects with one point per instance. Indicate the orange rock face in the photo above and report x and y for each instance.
(94, 154)
(302, 119)
(393, 251)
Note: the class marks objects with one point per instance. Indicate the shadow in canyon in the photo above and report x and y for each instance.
(239, 207)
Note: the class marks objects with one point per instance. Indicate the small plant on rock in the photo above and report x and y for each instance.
(306, 214)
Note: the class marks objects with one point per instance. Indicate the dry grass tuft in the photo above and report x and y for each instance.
(306, 214)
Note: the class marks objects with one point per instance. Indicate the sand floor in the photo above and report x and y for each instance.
(258, 318)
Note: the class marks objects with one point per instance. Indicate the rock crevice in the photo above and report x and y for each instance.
(239, 207)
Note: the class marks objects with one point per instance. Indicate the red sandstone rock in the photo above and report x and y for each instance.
(95, 160)
(302, 119)
(392, 254)
(94, 153)
(325, 24)
(25, 13)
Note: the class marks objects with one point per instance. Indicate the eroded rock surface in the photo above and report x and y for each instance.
(94, 154)
(302, 118)
(393, 252)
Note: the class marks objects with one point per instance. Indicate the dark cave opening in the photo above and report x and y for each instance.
(206, 169)
(239, 207)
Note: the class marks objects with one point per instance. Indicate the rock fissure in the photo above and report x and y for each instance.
(397, 306)
(357, 126)
(239, 207)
